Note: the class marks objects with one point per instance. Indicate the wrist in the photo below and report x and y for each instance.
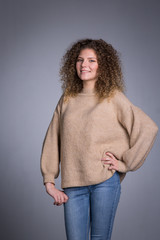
(49, 185)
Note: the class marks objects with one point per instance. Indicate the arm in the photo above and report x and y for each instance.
(50, 158)
(50, 155)
(142, 131)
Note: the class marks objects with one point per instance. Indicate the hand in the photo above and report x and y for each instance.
(59, 196)
(111, 160)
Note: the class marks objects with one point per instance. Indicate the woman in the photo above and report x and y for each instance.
(97, 135)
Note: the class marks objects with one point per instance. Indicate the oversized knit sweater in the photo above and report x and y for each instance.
(82, 130)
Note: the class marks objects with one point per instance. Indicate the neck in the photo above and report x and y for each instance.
(88, 90)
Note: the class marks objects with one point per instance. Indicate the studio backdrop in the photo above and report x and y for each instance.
(34, 37)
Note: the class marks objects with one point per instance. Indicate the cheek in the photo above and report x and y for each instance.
(96, 69)
(77, 67)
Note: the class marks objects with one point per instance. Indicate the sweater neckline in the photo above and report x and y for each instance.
(87, 91)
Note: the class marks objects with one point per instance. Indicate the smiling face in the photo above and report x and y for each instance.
(87, 65)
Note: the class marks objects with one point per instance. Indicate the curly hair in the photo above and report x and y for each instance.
(109, 71)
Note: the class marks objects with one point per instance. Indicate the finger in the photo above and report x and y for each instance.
(103, 158)
(113, 168)
(109, 154)
(107, 158)
(59, 201)
(112, 164)
(56, 203)
(65, 198)
(112, 155)
(108, 162)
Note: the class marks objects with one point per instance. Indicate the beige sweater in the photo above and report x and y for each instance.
(82, 130)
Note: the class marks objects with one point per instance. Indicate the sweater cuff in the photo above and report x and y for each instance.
(48, 178)
(122, 167)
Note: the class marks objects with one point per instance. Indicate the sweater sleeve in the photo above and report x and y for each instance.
(50, 154)
(142, 131)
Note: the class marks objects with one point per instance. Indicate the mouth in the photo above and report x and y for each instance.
(84, 71)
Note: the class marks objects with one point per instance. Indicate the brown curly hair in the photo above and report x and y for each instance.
(110, 75)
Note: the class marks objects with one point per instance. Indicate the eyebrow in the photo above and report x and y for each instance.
(89, 57)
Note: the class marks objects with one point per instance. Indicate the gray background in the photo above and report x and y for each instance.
(34, 36)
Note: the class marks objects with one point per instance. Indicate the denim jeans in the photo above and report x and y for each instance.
(90, 210)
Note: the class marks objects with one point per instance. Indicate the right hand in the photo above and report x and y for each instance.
(59, 196)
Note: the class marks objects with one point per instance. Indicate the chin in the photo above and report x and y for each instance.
(85, 79)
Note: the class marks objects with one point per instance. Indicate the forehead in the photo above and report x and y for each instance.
(87, 52)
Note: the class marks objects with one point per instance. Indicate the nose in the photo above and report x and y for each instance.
(84, 63)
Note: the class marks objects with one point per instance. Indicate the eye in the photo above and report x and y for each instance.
(91, 60)
(79, 60)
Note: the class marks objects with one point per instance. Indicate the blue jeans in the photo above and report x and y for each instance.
(90, 210)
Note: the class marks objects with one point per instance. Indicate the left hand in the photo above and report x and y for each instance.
(111, 160)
